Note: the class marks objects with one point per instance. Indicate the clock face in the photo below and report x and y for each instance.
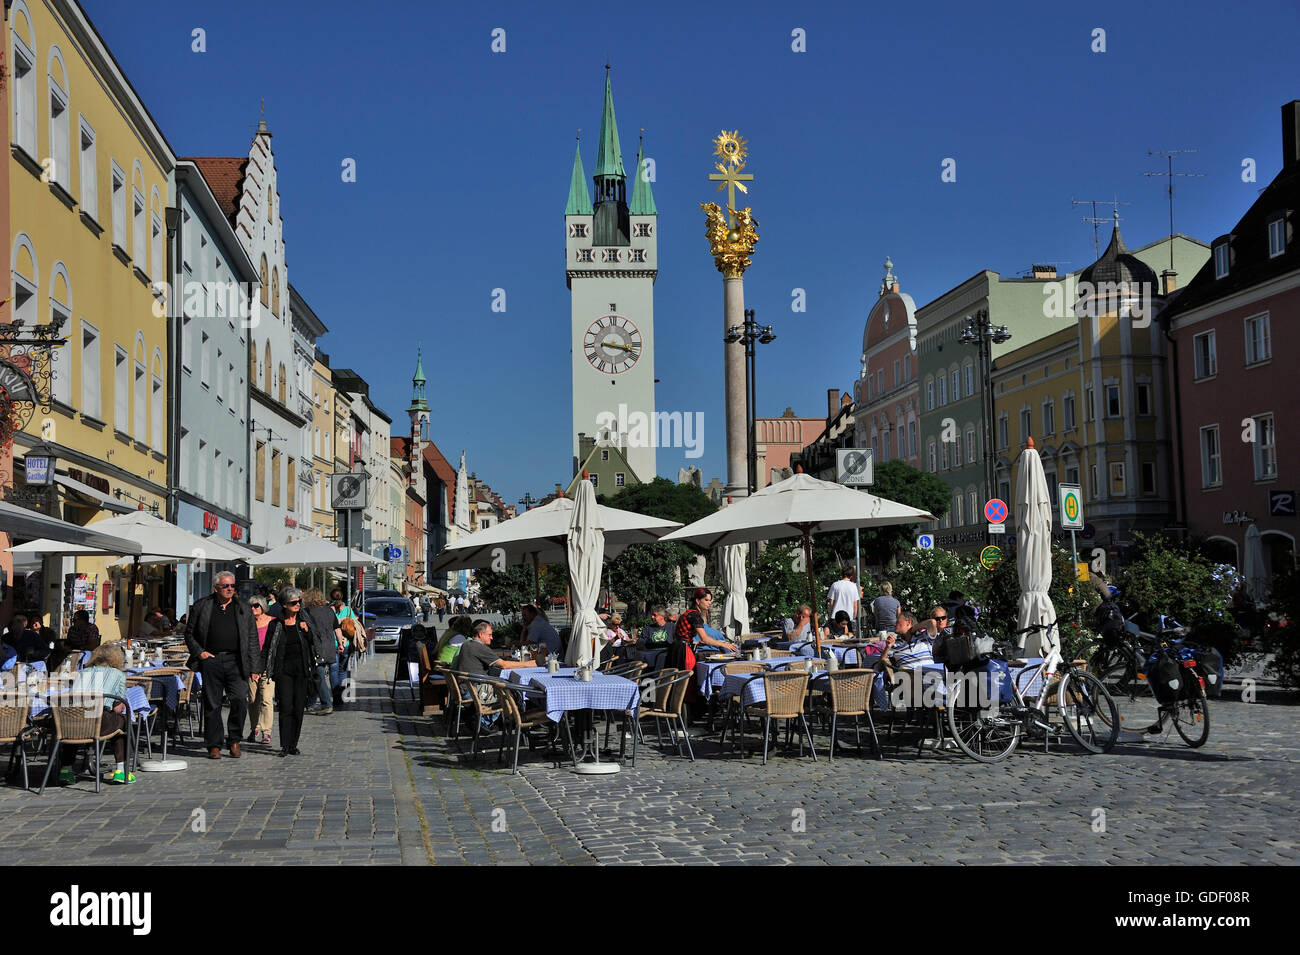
(612, 344)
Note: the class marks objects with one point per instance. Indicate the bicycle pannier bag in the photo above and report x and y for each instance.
(1209, 662)
(1165, 676)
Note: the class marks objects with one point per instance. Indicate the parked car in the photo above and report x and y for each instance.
(385, 618)
(371, 595)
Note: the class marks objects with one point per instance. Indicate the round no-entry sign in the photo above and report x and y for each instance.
(996, 511)
(990, 555)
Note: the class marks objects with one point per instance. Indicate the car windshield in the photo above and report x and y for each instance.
(389, 607)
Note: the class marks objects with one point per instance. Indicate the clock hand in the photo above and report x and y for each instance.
(610, 343)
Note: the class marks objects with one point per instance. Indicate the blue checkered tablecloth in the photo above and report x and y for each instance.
(171, 684)
(136, 698)
(524, 675)
(564, 692)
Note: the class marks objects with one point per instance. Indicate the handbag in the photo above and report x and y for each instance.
(965, 648)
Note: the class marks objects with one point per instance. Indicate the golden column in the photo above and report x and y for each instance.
(731, 240)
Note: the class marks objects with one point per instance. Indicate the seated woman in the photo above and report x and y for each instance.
(841, 627)
(452, 638)
(103, 673)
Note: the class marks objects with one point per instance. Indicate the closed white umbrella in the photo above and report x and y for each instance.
(797, 507)
(1252, 565)
(1033, 509)
(586, 555)
(736, 607)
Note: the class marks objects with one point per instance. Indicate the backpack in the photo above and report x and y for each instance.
(1108, 618)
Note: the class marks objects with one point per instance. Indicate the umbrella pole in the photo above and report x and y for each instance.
(812, 589)
(537, 582)
(130, 602)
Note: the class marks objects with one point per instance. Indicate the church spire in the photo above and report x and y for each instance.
(643, 200)
(418, 400)
(611, 180)
(579, 198)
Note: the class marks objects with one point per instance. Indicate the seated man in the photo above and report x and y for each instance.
(656, 634)
(911, 645)
(477, 658)
(538, 630)
(33, 641)
(801, 627)
(155, 624)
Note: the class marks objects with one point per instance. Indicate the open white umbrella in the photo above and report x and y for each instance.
(50, 530)
(309, 552)
(1033, 509)
(52, 548)
(586, 554)
(797, 507)
(736, 607)
(1252, 565)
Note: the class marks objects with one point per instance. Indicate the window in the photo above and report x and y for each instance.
(1051, 487)
(957, 520)
(1089, 410)
(929, 395)
(259, 473)
(609, 255)
(931, 457)
(141, 422)
(1221, 260)
(292, 482)
(1259, 345)
(270, 204)
(970, 445)
(1207, 360)
(898, 370)
(620, 479)
(638, 255)
(156, 406)
(275, 291)
(1211, 475)
(275, 477)
(1026, 424)
(943, 455)
(1112, 401)
(604, 455)
(156, 247)
(220, 388)
(1265, 448)
(943, 390)
(584, 255)
(205, 359)
(137, 230)
(1004, 491)
(24, 84)
(90, 403)
(1004, 425)
(61, 160)
(972, 506)
(907, 367)
(956, 454)
(119, 206)
(1067, 408)
(911, 439)
(1148, 477)
(89, 171)
(121, 391)
(201, 459)
(884, 444)
(1276, 237)
(640, 231)
(283, 385)
(1072, 475)
(1093, 489)
(956, 385)
(880, 381)
(1117, 479)
(61, 382)
(970, 379)
(579, 230)
(1049, 417)
(595, 480)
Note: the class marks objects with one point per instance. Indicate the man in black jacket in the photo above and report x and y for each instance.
(222, 639)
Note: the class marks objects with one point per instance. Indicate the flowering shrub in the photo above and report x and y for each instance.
(926, 577)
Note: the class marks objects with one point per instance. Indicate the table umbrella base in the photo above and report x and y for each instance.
(597, 769)
(162, 765)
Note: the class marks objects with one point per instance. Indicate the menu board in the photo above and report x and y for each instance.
(80, 592)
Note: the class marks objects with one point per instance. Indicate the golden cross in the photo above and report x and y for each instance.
(731, 177)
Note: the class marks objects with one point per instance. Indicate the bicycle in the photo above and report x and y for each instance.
(989, 733)
(1189, 709)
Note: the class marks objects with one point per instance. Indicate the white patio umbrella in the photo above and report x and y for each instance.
(50, 530)
(309, 552)
(52, 548)
(585, 551)
(1033, 509)
(1252, 565)
(797, 507)
(736, 607)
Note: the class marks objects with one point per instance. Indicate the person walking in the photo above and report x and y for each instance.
(884, 608)
(222, 640)
(326, 636)
(261, 689)
(289, 659)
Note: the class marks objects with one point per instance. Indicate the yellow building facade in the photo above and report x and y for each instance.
(90, 177)
(322, 400)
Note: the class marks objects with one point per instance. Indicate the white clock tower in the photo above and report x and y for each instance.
(611, 262)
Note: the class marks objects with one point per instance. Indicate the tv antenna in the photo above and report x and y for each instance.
(1095, 220)
(1169, 155)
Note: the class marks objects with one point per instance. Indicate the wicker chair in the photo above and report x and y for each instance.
(781, 654)
(80, 725)
(850, 695)
(140, 724)
(669, 687)
(520, 721)
(742, 666)
(184, 701)
(457, 699)
(785, 692)
(13, 728)
(482, 710)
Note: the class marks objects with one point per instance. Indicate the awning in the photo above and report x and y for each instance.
(21, 522)
(105, 501)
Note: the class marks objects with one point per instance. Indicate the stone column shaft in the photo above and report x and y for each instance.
(737, 445)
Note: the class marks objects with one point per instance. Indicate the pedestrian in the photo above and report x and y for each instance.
(884, 608)
(326, 635)
(82, 636)
(426, 608)
(844, 595)
(222, 638)
(289, 658)
(261, 688)
(442, 608)
(268, 600)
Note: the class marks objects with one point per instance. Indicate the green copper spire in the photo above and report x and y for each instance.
(643, 200)
(579, 199)
(418, 400)
(609, 157)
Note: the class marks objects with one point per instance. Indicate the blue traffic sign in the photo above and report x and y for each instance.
(925, 542)
(394, 553)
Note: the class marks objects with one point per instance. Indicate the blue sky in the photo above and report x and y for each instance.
(464, 155)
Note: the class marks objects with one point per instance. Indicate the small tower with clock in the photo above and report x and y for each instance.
(611, 262)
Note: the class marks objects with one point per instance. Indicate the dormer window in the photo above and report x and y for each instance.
(1276, 235)
(584, 255)
(638, 255)
(610, 255)
(579, 230)
(1221, 260)
(641, 230)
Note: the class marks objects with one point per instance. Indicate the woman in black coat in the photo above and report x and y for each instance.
(289, 658)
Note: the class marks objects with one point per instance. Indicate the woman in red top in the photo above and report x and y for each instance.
(261, 690)
(690, 625)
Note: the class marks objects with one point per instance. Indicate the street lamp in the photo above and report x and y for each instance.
(750, 333)
(983, 334)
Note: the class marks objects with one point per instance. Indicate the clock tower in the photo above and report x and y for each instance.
(611, 262)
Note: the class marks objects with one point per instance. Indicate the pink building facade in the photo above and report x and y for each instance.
(886, 394)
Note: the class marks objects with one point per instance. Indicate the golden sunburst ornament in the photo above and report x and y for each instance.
(731, 147)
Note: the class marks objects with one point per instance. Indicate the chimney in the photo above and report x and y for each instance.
(1291, 134)
(1043, 271)
(832, 403)
(1170, 278)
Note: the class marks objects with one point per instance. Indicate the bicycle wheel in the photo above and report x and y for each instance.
(1088, 711)
(982, 735)
(1191, 716)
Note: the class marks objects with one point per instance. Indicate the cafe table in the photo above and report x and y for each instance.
(709, 674)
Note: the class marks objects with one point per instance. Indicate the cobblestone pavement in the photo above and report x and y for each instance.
(374, 786)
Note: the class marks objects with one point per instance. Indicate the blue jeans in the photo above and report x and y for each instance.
(323, 690)
(338, 671)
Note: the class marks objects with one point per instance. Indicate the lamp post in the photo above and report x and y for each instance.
(751, 333)
(983, 334)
